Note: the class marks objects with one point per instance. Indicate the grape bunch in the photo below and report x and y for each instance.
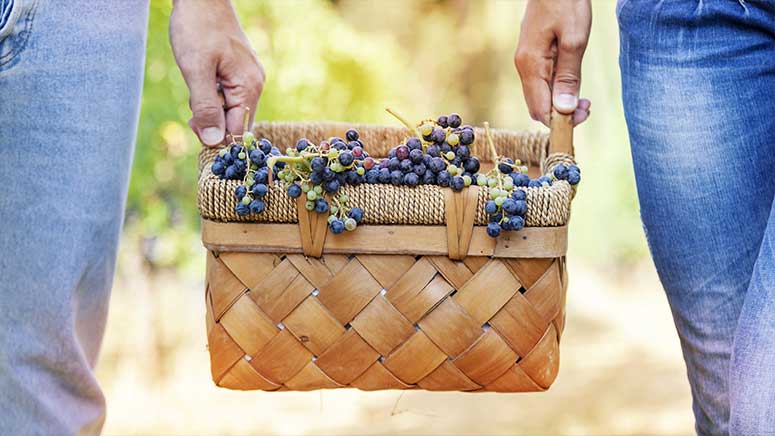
(570, 173)
(438, 154)
(245, 159)
(319, 171)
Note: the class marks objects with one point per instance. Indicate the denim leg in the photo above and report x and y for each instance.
(752, 381)
(70, 85)
(699, 98)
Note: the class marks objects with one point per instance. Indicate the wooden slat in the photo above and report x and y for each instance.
(387, 268)
(450, 327)
(242, 376)
(348, 358)
(248, 326)
(373, 239)
(416, 305)
(382, 326)
(415, 358)
(377, 377)
(314, 326)
(223, 285)
(487, 291)
(349, 291)
(487, 360)
(282, 358)
(455, 271)
(447, 377)
(311, 378)
(249, 268)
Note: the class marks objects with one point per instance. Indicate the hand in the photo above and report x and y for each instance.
(551, 46)
(210, 48)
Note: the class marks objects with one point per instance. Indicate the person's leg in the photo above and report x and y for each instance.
(699, 98)
(70, 85)
(752, 383)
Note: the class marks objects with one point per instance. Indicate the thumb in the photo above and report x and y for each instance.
(567, 75)
(208, 117)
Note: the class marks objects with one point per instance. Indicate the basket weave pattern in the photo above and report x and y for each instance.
(289, 322)
(387, 204)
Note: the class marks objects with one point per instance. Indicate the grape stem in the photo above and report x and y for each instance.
(490, 143)
(246, 121)
(404, 122)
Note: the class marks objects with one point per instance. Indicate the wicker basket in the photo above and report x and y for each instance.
(419, 297)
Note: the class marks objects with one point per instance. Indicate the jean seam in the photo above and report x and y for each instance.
(18, 48)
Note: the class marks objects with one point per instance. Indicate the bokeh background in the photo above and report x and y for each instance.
(621, 371)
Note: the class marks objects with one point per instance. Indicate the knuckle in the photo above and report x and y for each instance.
(572, 43)
(205, 109)
(567, 78)
(521, 58)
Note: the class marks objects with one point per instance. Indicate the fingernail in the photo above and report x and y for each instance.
(212, 135)
(565, 102)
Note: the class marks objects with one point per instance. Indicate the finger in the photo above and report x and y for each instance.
(538, 95)
(207, 119)
(582, 111)
(238, 98)
(579, 116)
(567, 73)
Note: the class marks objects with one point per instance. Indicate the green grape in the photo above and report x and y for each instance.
(453, 139)
(289, 177)
(306, 187)
(241, 155)
(333, 153)
(337, 167)
(350, 224)
(331, 218)
(309, 205)
(318, 189)
(253, 167)
(467, 180)
(360, 171)
(246, 200)
(523, 170)
(334, 210)
(289, 151)
(508, 183)
(312, 195)
(481, 180)
(248, 138)
(517, 162)
(449, 155)
(426, 129)
(492, 182)
(344, 198)
(452, 169)
(249, 182)
(223, 152)
(499, 201)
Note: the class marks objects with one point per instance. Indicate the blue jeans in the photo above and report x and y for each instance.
(70, 83)
(698, 82)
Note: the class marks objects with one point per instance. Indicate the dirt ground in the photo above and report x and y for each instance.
(621, 373)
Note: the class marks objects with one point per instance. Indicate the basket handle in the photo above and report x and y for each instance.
(561, 133)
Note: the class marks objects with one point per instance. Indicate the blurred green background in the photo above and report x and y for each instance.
(346, 60)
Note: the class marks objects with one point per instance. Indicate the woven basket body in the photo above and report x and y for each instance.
(413, 304)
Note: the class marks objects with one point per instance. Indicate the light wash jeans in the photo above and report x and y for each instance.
(70, 83)
(698, 81)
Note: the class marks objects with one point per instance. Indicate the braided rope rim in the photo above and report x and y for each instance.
(388, 204)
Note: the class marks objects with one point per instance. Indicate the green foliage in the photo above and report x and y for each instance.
(344, 60)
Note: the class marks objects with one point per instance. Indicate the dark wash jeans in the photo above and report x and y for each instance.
(698, 80)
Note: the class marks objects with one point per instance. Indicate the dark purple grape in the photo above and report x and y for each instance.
(402, 152)
(454, 121)
(438, 136)
(393, 164)
(405, 166)
(302, 144)
(331, 186)
(396, 177)
(411, 179)
(462, 151)
(442, 121)
(351, 135)
(466, 137)
(416, 156)
(433, 150)
(420, 169)
(471, 165)
(347, 158)
(392, 153)
(318, 164)
(384, 175)
(443, 178)
(429, 178)
(413, 143)
(437, 165)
